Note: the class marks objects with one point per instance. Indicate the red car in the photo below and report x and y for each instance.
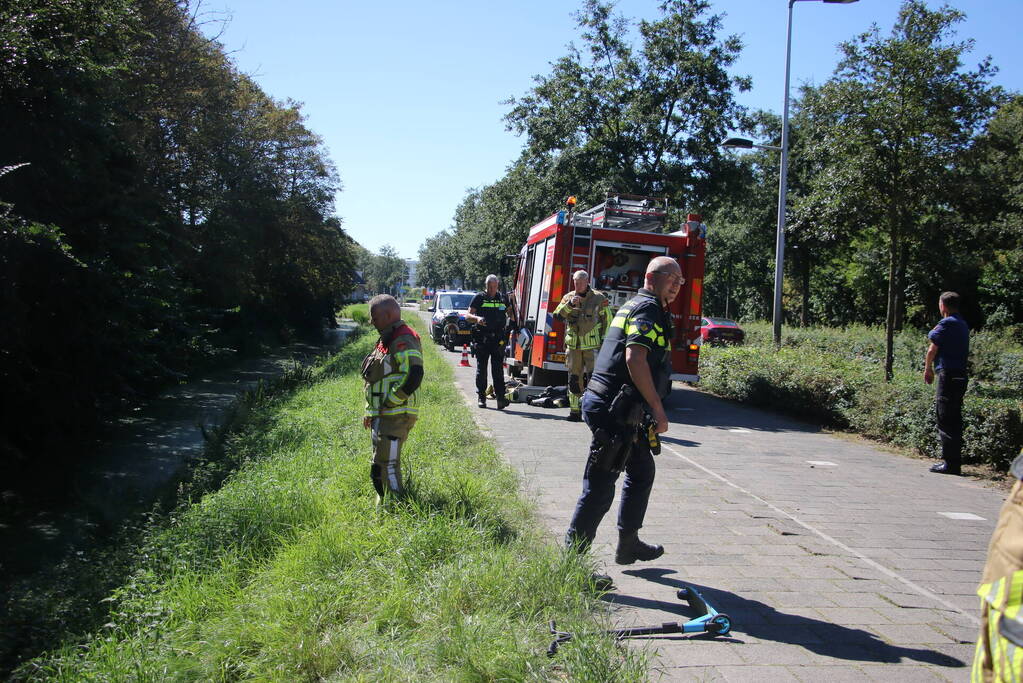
(721, 331)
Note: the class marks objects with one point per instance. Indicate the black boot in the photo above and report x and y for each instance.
(630, 548)
(574, 416)
(481, 400)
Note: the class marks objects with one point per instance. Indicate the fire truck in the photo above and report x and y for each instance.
(613, 242)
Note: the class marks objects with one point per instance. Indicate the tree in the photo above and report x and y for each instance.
(644, 119)
(891, 125)
(386, 271)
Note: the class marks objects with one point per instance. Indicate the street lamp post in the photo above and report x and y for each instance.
(783, 172)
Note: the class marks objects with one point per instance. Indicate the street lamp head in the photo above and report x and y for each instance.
(840, 2)
(737, 143)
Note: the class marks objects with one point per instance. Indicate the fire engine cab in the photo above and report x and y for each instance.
(613, 242)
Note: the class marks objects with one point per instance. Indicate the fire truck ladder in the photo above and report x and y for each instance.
(625, 212)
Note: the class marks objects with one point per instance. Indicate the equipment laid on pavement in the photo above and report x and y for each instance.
(711, 621)
(465, 356)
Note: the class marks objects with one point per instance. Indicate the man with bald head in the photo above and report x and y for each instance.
(632, 376)
(392, 372)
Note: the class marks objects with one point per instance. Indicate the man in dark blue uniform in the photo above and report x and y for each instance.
(490, 311)
(631, 377)
(948, 351)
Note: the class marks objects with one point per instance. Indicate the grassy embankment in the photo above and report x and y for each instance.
(835, 377)
(290, 571)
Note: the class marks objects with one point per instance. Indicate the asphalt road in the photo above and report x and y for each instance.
(836, 560)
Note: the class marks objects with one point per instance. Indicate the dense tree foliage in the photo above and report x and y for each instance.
(167, 210)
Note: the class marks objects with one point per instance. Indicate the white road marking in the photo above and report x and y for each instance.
(823, 463)
(860, 556)
(961, 515)
(740, 430)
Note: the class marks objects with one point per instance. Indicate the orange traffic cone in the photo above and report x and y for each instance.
(465, 356)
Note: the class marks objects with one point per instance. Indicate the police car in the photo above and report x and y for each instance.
(448, 325)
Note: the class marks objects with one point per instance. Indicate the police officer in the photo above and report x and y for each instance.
(392, 372)
(633, 371)
(948, 352)
(491, 312)
(587, 316)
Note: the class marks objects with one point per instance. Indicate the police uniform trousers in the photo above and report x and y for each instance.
(599, 485)
(389, 435)
(949, 406)
(999, 655)
(490, 351)
(580, 367)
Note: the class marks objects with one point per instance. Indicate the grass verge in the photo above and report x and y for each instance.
(290, 572)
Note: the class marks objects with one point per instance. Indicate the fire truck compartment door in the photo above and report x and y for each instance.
(621, 265)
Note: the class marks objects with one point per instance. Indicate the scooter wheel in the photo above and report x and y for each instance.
(720, 624)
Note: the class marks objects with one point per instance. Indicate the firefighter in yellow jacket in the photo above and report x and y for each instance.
(999, 655)
(587, 317)
(392, 372)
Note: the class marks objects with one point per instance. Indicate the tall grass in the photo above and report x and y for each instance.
(291, 572)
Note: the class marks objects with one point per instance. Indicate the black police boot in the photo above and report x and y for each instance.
(573, 416)
(630, 548)
(502, 403)
(481, 400)
(944, 468)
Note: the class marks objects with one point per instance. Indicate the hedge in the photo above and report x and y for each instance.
(847, 391)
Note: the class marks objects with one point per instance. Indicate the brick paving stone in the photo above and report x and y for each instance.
(687, 674)
(907, 633)
(756, 674)
(831, 674)
(912, 674)
(847, 616)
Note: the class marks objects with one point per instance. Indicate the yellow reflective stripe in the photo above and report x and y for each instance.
(398, 410)
(1015, 595)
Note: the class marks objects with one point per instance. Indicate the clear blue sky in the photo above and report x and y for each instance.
(407, 94)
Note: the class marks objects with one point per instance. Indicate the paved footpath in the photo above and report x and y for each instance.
(835, 560)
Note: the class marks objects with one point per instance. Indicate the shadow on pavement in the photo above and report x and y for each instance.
(679, 442)
(764, 622)
(692, 407)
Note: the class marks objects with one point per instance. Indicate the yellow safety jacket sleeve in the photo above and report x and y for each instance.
(564, 309)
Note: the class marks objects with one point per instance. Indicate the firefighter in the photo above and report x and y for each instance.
(392, 372)
(492, 313)
(587, 317)
(624, 399)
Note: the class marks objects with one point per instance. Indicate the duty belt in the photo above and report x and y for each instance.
(600, 389)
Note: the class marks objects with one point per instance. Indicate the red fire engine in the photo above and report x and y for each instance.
(613, 242)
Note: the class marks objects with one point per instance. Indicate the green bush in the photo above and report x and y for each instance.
(357, 312)
(822, 386)
(835, 378)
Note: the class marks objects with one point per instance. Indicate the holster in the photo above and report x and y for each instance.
(627, 407)
(609, 451)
